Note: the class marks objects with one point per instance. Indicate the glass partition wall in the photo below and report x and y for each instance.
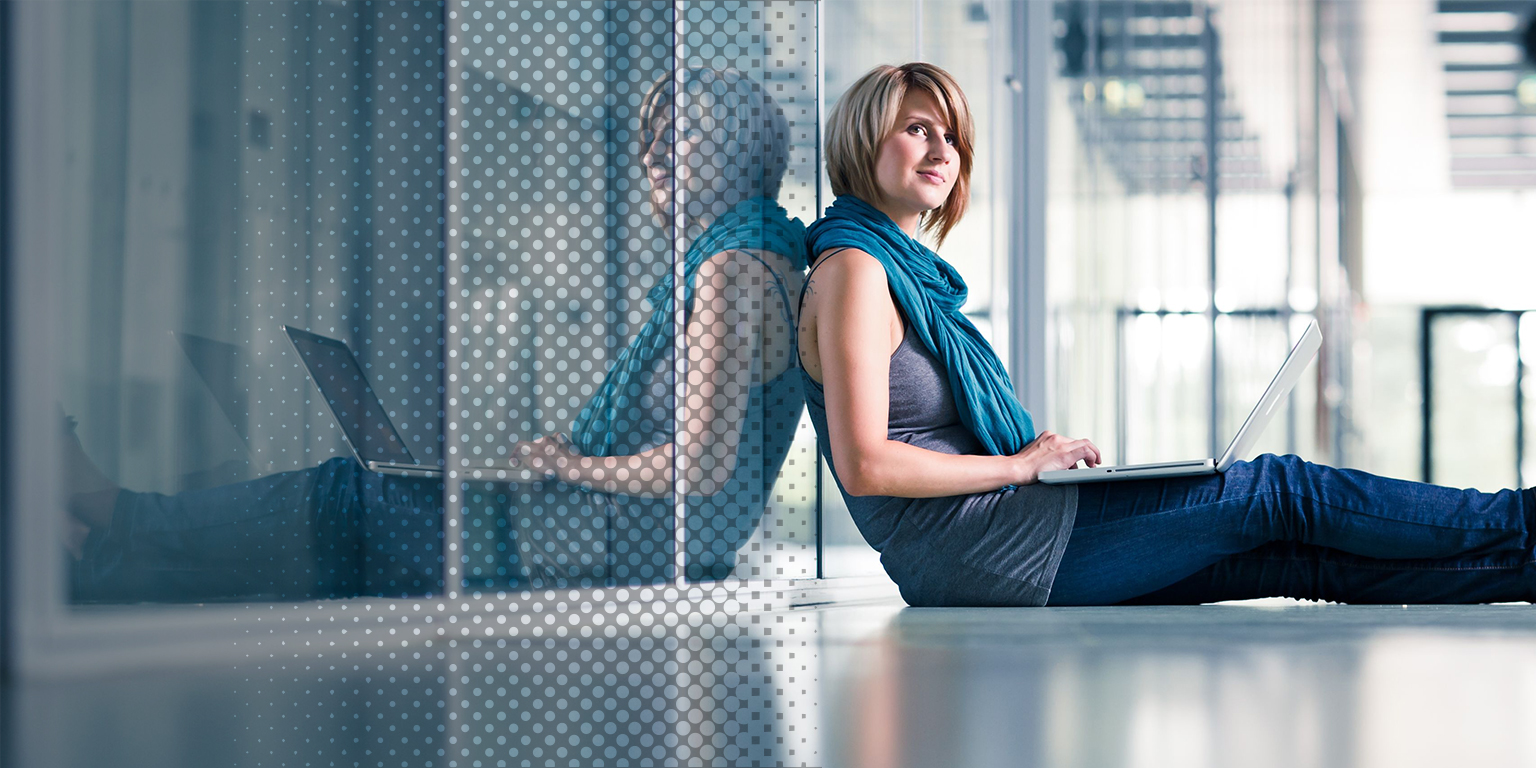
(339, 300)
(445, 347)
(625, 249)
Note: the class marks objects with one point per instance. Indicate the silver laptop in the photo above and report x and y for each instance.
(1290, 373)
(364, 422)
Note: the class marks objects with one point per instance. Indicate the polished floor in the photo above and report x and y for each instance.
(867, 686)
(1276, 684)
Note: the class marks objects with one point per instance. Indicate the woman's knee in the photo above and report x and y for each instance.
(344, 466)
(1277, 474)
(1278, 463)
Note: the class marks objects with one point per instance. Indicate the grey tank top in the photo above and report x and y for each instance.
(997, 548)
(718, 524)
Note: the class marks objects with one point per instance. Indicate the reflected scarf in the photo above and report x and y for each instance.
(755, 224)
(930, 292)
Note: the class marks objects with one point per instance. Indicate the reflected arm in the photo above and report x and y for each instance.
(724, 346)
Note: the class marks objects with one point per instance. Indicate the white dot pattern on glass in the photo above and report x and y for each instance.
(590, 678)
(613, 392)
(476, 199)
(560, 641)
(560, 129)
(341, 192)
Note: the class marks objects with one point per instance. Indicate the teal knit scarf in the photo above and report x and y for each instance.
(755, 224)
(930, 292)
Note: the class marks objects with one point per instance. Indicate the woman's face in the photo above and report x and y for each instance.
(714, 165)
(918, 163)
(663, 139)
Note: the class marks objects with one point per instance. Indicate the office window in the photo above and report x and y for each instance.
(1190, 200)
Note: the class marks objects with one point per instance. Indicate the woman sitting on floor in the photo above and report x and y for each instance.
(938, 461)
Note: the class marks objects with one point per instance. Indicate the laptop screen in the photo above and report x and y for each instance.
(221, 366)
(345, 387)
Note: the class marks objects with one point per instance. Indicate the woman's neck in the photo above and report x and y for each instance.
(906, 219)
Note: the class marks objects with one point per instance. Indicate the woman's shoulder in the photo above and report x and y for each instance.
(850, 265)
(852, 280)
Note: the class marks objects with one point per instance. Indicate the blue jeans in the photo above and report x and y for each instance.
(1280, 526)
(336, 530)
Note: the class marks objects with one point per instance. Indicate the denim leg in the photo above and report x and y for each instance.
(1134, 538)
(401, 548)
(331, 531)
(1303, 571)
(642, 540)
(562, 534)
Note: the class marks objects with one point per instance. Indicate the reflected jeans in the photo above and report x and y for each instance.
(1280, 526)
(336, 530)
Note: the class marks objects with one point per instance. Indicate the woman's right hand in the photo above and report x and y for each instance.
(544, 457)
(1050, 451)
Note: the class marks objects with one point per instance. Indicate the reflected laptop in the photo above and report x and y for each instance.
(220, 365)
(364, 422)
(1290, 373)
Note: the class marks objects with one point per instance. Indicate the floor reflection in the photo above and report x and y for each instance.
(1294, 685)
(875, 686)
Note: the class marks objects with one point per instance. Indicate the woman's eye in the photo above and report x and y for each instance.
(918, 129)
(950, 139)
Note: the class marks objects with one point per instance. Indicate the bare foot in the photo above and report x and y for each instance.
(91, 495)
(75, 534)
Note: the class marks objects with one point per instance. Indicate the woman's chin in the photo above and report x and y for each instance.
(934, 200)
(920, 201)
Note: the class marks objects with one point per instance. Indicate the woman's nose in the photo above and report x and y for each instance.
(655, 156)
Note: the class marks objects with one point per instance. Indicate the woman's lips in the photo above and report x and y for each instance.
(931, 176)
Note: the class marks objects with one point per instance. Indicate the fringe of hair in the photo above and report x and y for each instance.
(866, 115)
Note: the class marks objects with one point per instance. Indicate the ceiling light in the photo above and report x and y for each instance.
(1114, 95)
(1525, 92)
(1135, 96)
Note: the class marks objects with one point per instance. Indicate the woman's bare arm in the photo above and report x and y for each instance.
(646, 474)
(853, 315)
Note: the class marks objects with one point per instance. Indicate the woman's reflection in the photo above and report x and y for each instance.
(337, 530)
(719, 153)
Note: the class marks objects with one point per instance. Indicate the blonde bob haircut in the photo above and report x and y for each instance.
(866, 115)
